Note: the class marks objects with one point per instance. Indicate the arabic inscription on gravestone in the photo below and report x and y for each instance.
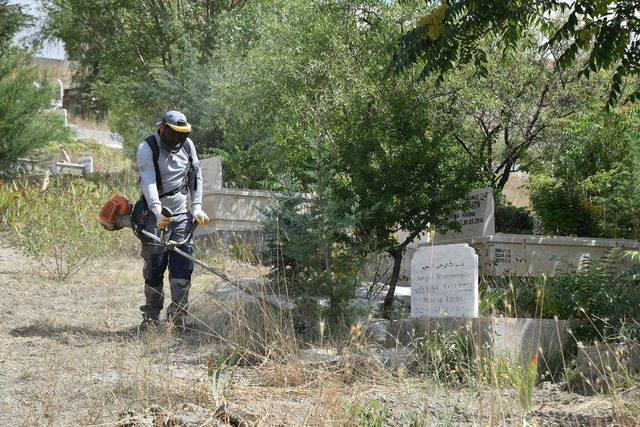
(444, 281)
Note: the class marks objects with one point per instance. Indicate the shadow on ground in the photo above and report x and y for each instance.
(66, 333)
(62, 332)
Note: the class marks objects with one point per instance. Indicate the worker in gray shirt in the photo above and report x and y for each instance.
(170, 175)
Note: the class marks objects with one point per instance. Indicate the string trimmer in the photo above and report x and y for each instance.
(116, 214)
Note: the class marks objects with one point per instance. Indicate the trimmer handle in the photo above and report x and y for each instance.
(192, 229)
(166, 212)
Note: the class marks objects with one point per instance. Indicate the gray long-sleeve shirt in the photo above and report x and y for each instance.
(173, 169)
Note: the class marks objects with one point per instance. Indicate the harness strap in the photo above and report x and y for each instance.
(155, 150)
(184, 187)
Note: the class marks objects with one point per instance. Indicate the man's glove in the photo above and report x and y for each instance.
(161, 220)
(200, 217)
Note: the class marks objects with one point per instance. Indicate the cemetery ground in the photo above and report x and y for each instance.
(71, 355)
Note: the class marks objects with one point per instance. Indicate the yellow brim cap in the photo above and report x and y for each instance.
(177, 128)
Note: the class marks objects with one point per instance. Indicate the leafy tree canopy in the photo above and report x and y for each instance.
(449, 34)
(593, 177)
(372, 149)
(26, 122)
(142, 58)
(12, 20)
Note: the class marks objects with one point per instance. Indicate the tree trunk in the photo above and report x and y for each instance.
(395, 274)
(506, 172)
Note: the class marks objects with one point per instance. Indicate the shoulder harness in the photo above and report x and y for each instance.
(189, 181)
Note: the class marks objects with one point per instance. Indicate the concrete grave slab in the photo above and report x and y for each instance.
(511, 338)
(211, 173)
(531, 255)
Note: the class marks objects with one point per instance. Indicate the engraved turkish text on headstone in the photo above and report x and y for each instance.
(444, 282)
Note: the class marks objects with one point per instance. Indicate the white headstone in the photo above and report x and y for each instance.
(444, 281)
(476, 221)
(211, 172)
(87, 162)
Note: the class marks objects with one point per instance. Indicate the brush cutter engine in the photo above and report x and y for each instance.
(116, 213)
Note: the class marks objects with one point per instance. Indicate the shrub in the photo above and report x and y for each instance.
(590, 186)
(25, 120)
(305, 249)
(513, 219)
(445, 356)
(607, 300)
(562, 211)
(58, 226)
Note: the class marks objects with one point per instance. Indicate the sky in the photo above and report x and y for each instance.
(50, 50)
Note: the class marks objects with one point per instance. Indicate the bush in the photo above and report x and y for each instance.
(562, 211)
(513, 219)
(607, 300)
(590, 187)
(445, 356)
(305, 249)
(58, 226)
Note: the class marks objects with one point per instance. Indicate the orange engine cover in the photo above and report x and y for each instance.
(115, 207)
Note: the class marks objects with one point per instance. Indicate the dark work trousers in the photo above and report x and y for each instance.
(156, 260)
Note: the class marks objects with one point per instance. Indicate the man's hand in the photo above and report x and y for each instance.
(161, 220)
(200, 217)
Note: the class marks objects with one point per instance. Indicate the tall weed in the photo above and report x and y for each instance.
(58, 226)
(598, 293)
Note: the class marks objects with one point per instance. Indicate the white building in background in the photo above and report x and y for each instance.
(52, 50)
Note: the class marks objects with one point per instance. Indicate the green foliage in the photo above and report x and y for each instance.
(500, 118)
(524, 380)
(143, 58)
(489, 299)
(12, 20)
(372, 148)
(214, 371)
(445, 356)
(608, 301)
(25, 98)
(513, 219)
(304, 248)
(562, 211)
(58, 226)
(588, 186)
(372, 414)
(448, 36)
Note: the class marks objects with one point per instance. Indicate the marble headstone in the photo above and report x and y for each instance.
(444, 281)
(211, 173)
(477, 220)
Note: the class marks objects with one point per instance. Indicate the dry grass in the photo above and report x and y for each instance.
(89, 123)
(72, 356)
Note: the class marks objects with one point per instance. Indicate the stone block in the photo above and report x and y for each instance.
(531, 255)
(477, 220)
(233, 209)
(211, 172)
(599, 368)
(512, 338)
(444, 282)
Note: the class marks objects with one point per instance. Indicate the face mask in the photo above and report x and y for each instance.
(172, 140)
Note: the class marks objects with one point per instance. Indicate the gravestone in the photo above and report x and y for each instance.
(87, 162)
(444, 281)
(211, 173)
(478, 220)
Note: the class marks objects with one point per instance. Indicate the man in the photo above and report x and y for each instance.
(169, 175)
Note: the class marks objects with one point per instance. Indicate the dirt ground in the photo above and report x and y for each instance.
(71, 355)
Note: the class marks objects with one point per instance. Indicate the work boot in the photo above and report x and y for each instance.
(179, 322)
(149, 321)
